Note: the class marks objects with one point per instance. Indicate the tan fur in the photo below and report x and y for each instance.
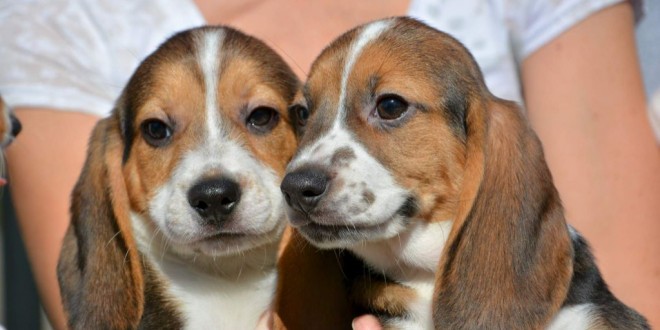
(435, 178)
(175, 93)
(533, 283)
(242, 84)
(385, 297)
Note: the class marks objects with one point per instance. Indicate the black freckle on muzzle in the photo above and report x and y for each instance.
(342, 157)
(409, 208)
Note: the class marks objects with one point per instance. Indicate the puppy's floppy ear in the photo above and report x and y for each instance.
(99, 269)
(508, 261)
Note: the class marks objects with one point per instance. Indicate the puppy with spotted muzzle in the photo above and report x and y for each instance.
(177, 215)
(9, 129)
(434, 195)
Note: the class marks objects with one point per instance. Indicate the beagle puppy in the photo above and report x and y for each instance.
(9, 129)
(177, 215)
(434, 194)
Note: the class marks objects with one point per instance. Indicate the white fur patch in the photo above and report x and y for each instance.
(210, 293)
(576, 317)
(411, 254)
(349, 205)
(411, 259)
(573, 233)
(361, 174)
(209, 60)
(368, 34)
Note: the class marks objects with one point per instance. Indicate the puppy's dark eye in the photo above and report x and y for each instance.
(156, 132)
(262, 119)
(303, 115)
(300, 114)
(391, 107)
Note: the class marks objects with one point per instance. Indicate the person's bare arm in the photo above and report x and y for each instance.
(44, 164)
(585, 100)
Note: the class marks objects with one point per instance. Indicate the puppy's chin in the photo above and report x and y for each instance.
(159, 238)
(226, 244)
(342, 233)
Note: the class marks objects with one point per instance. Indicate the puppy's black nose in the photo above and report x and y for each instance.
(214, 199)
(15, 125)
(304, 188)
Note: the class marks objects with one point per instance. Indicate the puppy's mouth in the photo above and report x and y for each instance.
(229, 243)
(337, 234)
(345, 234)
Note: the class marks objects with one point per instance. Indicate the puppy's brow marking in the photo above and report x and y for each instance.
(368, 34)
(209, 59)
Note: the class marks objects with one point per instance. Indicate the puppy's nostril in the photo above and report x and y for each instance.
(227, 202)
(311, 193)
(200, 205)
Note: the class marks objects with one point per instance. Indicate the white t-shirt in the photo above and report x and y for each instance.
(77, 55)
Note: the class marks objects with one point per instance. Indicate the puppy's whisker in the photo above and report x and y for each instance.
(240, 270)
(126, 255)
(112, 238)
(158, 231)
(341, 269)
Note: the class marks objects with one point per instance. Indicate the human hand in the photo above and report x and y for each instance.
(366, 322)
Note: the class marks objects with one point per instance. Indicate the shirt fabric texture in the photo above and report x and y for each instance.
(78, 55)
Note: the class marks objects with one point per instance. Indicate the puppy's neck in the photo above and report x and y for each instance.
(236, 289)
(413, 255)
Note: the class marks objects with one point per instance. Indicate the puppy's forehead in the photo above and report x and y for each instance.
(192, 67)
(396, 55)
(330, 75)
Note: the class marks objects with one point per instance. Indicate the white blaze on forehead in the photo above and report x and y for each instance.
(368, 34)
(208, 56)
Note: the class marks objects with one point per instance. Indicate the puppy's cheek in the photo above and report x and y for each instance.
(296, 218)
(367, 193)
(172, 215)
(260, 207)
(137, 196)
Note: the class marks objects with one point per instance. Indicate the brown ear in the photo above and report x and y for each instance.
(311, 293)
(508, 261)
(99, 269)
